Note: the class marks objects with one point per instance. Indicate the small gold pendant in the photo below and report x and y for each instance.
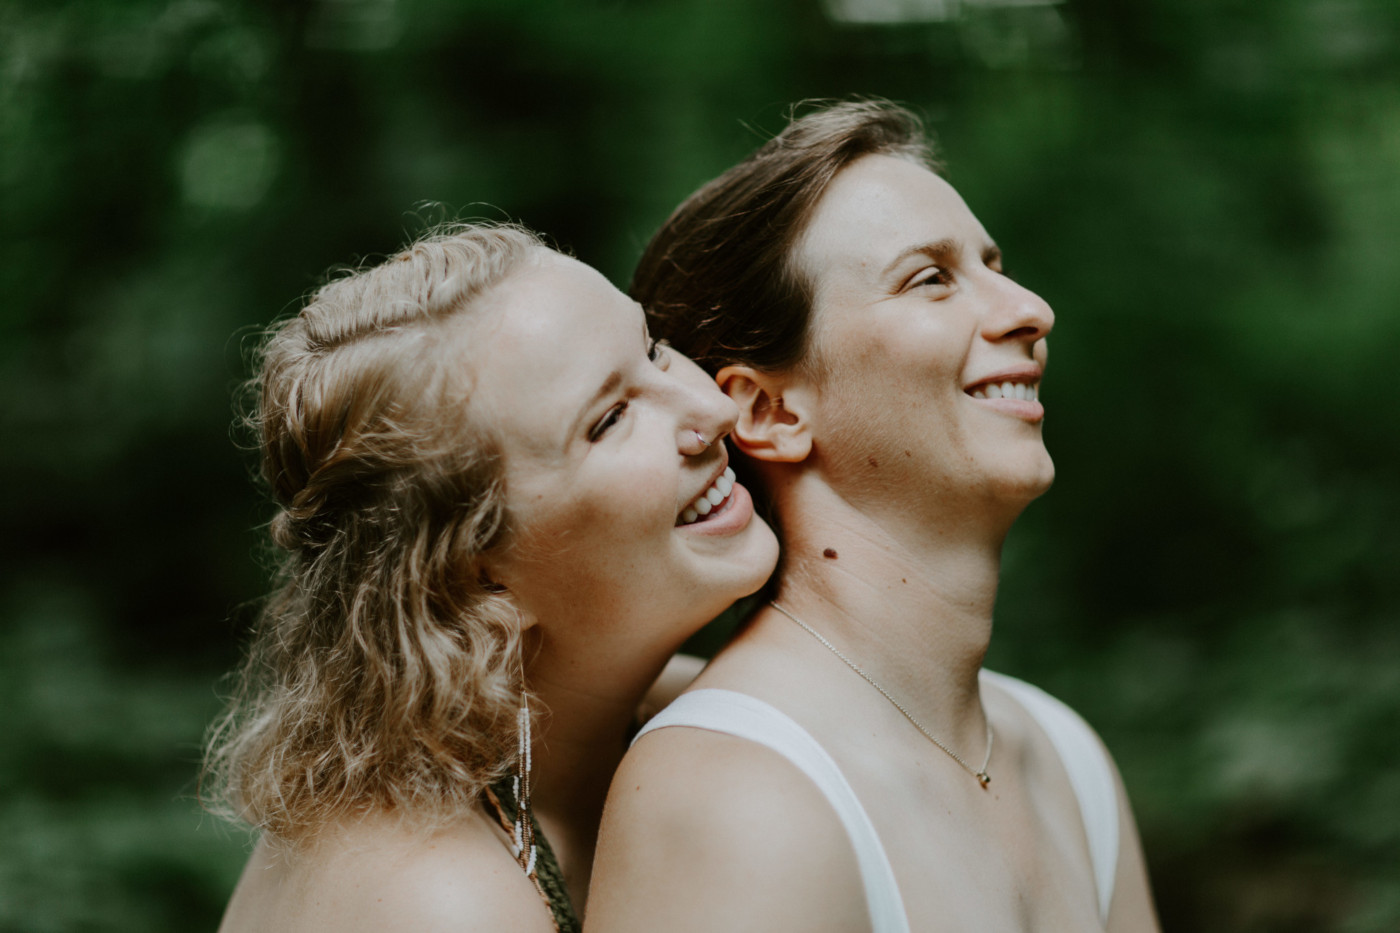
(984, 777)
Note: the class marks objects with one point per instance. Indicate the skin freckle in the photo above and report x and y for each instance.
(873, 462)
(829, 553)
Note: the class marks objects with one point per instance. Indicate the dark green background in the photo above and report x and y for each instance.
(1207, 192)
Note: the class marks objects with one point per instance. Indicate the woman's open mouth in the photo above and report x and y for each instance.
(1025, 391)
(710, 502)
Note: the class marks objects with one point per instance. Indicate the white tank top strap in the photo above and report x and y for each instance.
(744, 716)
(1090, 774)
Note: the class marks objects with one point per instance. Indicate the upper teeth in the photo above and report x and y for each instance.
(707, 500)
(1020, 390)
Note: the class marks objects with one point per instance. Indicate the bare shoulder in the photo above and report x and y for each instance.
(458, 879)
(1038, 732)
(379, 876)
(1131, 908)
(706, 831)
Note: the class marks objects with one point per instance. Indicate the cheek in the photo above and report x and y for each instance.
(907, 341)
(895, 373)
(891, 403)
(606, 516)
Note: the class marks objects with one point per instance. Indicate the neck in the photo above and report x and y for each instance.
(906, 596)
(589, 707)
(581, 734)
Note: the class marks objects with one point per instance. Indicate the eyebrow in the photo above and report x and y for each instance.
(608, 387)
(940, 251)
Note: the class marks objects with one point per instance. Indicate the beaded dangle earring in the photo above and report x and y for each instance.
(523, 843)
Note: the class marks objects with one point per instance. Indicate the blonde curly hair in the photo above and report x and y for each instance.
(383, 673)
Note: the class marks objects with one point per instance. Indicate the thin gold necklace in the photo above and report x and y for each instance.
(980, 773)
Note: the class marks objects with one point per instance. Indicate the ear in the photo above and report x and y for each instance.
(490, 578)
(774, 423)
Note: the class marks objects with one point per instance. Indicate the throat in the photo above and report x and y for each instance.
(921, 616)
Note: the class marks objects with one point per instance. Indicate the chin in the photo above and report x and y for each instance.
(759, 561)
(1027, 485)
(720, 581)
(1044, 480)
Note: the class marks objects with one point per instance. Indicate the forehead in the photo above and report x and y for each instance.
(876, 208)
(544, 341)
(542, 307)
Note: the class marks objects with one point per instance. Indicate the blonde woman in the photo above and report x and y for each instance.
(502, 508)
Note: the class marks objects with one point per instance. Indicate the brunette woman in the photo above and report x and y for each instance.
(488, 482)
(846, 763)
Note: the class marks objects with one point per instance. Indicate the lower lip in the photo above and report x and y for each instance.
(1016, 407)
(734, 514)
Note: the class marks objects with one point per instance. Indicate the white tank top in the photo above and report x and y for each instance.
(1090, 775)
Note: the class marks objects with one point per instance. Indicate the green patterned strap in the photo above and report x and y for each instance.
(548, 879)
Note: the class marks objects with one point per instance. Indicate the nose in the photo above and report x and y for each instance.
(1018, 314)
(709, 416)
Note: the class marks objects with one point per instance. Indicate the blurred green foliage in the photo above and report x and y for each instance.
(1207, 191)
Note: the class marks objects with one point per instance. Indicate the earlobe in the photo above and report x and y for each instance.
(770, 426)
(488, 576)
(489, 579)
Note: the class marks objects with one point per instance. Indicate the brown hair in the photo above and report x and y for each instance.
(383, 670)
(718, 280)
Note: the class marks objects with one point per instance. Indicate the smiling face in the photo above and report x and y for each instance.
(612, 453)
(925, 359)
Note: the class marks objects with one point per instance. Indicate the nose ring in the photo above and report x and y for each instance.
(704, 444)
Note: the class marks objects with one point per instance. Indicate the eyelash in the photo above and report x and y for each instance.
(611, 418)
(942, 276)
(938, 276)
(656, 354)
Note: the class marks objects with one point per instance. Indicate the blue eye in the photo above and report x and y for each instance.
(611, 418)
